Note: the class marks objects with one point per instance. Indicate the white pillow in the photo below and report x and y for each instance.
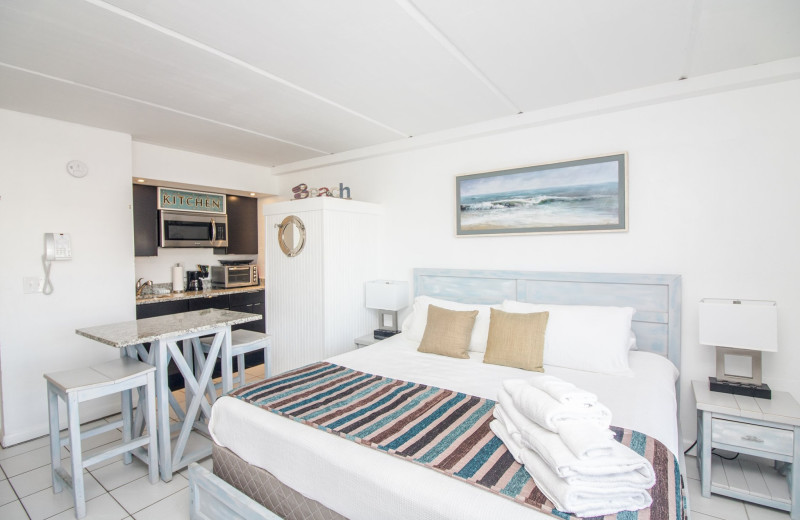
(414, 325)
(632, 341)
(584, 337)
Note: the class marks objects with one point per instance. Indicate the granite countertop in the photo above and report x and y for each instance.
(187, 295)
(146, 330)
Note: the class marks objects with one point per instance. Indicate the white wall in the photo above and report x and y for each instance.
(157, 163)
(37, 332)
(713, 184)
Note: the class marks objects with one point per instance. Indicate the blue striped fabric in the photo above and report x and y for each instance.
(444, 430)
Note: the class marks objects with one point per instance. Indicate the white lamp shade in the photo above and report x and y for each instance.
(745, 324)
(387, 295)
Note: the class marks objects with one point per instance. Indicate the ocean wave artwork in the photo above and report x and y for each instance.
(574, 196)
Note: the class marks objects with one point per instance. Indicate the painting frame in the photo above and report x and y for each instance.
(583, 195)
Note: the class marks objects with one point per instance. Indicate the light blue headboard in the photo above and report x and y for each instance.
(656, 297)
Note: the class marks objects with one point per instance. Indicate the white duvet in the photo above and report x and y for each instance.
(362, 483)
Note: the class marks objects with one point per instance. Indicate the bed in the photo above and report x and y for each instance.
(301, 472)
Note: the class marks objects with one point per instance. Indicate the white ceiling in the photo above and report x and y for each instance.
(272, 82)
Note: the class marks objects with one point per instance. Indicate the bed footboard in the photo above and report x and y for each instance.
(265, 489)
(212, 498)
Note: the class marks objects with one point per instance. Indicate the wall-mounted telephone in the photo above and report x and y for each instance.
(57, 246)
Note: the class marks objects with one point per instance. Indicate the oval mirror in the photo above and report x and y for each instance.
(292, 235)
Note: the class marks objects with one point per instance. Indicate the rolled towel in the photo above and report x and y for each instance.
(583, 499)
(562, 391)
(499, 429)
(620, 465)
(539, 407)
(586, 440)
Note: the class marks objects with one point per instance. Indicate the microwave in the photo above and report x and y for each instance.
(187, 229)
(228, 276)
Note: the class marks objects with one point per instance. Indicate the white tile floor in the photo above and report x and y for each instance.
(115, 491)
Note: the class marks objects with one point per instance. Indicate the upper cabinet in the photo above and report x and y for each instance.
(242, 226)
(242, 223)
(145, 220)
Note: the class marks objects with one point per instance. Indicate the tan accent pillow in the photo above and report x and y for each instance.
(516, 340)
(447, 332)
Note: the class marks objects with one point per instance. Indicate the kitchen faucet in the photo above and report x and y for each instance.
(140, 285)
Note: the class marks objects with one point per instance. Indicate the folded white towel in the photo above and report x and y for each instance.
(562, 391)
(586, 440)
(548, 413)
(583, 499)
(503, 434)
(620, 465)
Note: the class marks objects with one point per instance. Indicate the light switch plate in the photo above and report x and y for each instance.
(32, 284)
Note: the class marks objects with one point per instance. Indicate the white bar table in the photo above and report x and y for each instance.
(163, 334)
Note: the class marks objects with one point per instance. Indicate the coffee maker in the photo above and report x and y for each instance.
(193, 281)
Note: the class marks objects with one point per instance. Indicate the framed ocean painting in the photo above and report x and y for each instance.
(572, 196)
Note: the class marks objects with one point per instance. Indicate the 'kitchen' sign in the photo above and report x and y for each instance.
(183, 200)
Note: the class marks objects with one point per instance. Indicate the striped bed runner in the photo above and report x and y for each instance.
(441, 429)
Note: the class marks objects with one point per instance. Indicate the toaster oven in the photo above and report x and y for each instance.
(227, 276)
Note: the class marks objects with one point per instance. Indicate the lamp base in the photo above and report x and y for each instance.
(384, 333)
(761, 391)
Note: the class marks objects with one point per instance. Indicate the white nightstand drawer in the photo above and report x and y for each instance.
(764, 438)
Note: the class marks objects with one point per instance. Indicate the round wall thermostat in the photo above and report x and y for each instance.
(77, 168)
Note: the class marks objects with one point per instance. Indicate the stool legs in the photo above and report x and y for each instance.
(152, 446)
(127, 426)
(267, 360)
(240, 365)
(76, 456)
(55, 436)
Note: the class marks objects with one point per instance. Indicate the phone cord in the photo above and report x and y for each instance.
(47, 288)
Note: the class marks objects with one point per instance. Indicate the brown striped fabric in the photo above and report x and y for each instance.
(444, 430)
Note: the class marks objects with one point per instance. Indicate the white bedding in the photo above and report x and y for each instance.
(360, 482)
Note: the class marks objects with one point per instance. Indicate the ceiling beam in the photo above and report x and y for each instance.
(454, 51)
(160, 107)
(236, 61)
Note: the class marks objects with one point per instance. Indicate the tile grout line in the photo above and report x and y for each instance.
(156, 502)
(90, 472)
(14, 490)
(19, 499)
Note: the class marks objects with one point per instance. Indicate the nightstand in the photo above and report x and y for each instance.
(365, 340)
(765, 428)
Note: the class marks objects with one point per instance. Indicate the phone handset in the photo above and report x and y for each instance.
(57, 246)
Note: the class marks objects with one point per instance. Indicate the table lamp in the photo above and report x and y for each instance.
(388, 297)
(743, 328)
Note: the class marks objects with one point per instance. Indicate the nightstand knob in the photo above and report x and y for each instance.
(752, 438)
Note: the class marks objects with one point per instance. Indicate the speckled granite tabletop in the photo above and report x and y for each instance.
(128, 333)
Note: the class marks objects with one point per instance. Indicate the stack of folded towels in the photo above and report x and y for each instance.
(560, 434)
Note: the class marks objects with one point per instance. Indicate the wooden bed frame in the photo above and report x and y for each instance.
(657, 325)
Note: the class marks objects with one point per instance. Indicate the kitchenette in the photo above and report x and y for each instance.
(197, 250)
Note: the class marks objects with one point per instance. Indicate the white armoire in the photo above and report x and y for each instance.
(315, 300)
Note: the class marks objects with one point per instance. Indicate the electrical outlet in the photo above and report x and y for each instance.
(32, 284)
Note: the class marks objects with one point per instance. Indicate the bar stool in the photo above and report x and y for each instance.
(243, 342)
(82, 384)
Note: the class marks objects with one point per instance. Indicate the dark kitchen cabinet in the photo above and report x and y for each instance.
(151, 310)
(215, 302)
(243, 302)
(145, 220)
(250, 302)
(242, 226)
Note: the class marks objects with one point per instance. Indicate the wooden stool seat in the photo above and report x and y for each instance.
(243, 342)
(82, 384)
